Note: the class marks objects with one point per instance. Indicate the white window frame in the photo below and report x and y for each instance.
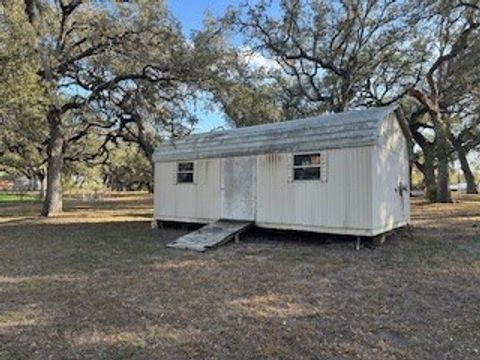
(319, 166)
(178, 171)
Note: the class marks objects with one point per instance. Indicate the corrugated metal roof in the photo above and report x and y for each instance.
(348, 129)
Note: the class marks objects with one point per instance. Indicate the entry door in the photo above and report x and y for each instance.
(238, 188)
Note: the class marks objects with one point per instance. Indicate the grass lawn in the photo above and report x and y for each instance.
(9, 198)
(98, 283)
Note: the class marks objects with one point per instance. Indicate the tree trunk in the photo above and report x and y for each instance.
(53, 203)
(429, 176)
(442, 150)
(467, 172)
(428, 148)
(148, 149)
(404, 125)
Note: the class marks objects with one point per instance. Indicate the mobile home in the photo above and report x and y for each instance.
(345, 173)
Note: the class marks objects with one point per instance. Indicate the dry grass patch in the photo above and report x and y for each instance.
(28, 316)
(98, 283)
(272, 306)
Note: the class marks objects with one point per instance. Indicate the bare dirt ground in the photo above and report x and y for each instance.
(98, 283)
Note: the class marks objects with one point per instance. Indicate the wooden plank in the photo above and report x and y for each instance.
(210, 235)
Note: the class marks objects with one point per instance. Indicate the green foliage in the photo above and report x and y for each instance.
(74, 69)
(125, 168)
(22, 91)
(128, 169)
(23, 101)
(417, 178)
(250, 105)
(339, 55)
(248, 92)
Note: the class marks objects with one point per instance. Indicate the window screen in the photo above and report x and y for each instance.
(306, 167)
(185, 172)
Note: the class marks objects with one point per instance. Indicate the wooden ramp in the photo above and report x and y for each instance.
(211, 235)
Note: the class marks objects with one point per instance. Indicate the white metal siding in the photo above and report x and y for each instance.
(194, 202)
(359, 195)
(391, 167)
(341, 204)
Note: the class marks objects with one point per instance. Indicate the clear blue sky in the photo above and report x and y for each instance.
(190, 13)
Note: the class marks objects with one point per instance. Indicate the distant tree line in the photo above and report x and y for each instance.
(82, 79)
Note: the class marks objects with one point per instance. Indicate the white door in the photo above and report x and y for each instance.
(238, 188)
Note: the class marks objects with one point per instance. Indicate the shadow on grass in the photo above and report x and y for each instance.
(113, 290)
(147, 214)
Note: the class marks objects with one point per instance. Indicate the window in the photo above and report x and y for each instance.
(185, 172)
(306, 167)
